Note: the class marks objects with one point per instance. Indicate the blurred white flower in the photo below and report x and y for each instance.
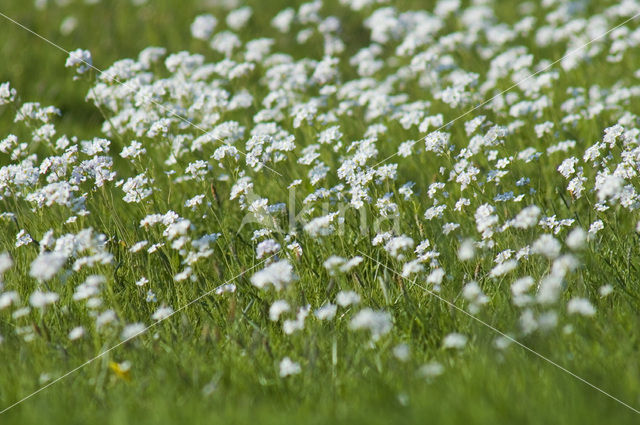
(377, 322)
(203, 26)
(580, 306)
(454, 340)
(41, 299)
(279, 274)
(47, 265)
(288, 367)
(277, 308)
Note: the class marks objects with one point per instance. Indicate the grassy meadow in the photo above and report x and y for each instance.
(324, 212)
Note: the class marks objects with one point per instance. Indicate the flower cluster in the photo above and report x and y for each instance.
(377, 142)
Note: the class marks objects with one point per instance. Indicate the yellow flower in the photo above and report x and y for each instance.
(122, 370)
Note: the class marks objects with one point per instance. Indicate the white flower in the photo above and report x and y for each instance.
(7, 93)
(279, 274)
(466, 251)
(225, 42)
(321, 226)
(608, 186)
(5, 262)
(79, 59)
(522, 285)
(402, 352)
(485, 220)
(8, 298)
(549, 289)
(88, 289)
(282, 21)
(162, 313)
(436, 276)
(134, 150)
(377, 322)
(142, 281)
(347, 298)
(105, 318)
(581, 306)
(431, 369)
(177, 228)
(21, 312)
(528, 217)
(567, 167)
(238, 18)
(503, 268)
(132, 330)
(277, 308)
(291, 326)
(23, 238)
(229, 287)
(183, 275)
(396, 245)
(332, 263)
(289, 367)
(151, 297)
(454, 340)
(326, 312)
(473, 293)
(47, 265)
(547, 245)
(437, 141)
(336, 264)
(203, 26)
(576, 238)
(41, 299)
(412, 267)
(135, 188)
(76, 333)
(266, 248)
(595, 227)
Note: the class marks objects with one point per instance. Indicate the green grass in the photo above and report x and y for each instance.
(217, 360)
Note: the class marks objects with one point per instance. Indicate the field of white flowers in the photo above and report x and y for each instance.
(335, 211)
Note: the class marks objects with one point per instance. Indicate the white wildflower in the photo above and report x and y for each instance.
(47, 265)
(347, 298)
(76, 333)
(466, 250)
(503, 268)
(547, 245)
(377, 322)
(279, 274)
(580, 306)
(132, 330)
(5, 263)
(203, 26)
(605, 290)
(402, 352)
(41, 299)
(526, 218)
(576, 238)
(162, 313)
(277, 308)
(289, 367)
(79, 59)
(454, 340)
(326, 312)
